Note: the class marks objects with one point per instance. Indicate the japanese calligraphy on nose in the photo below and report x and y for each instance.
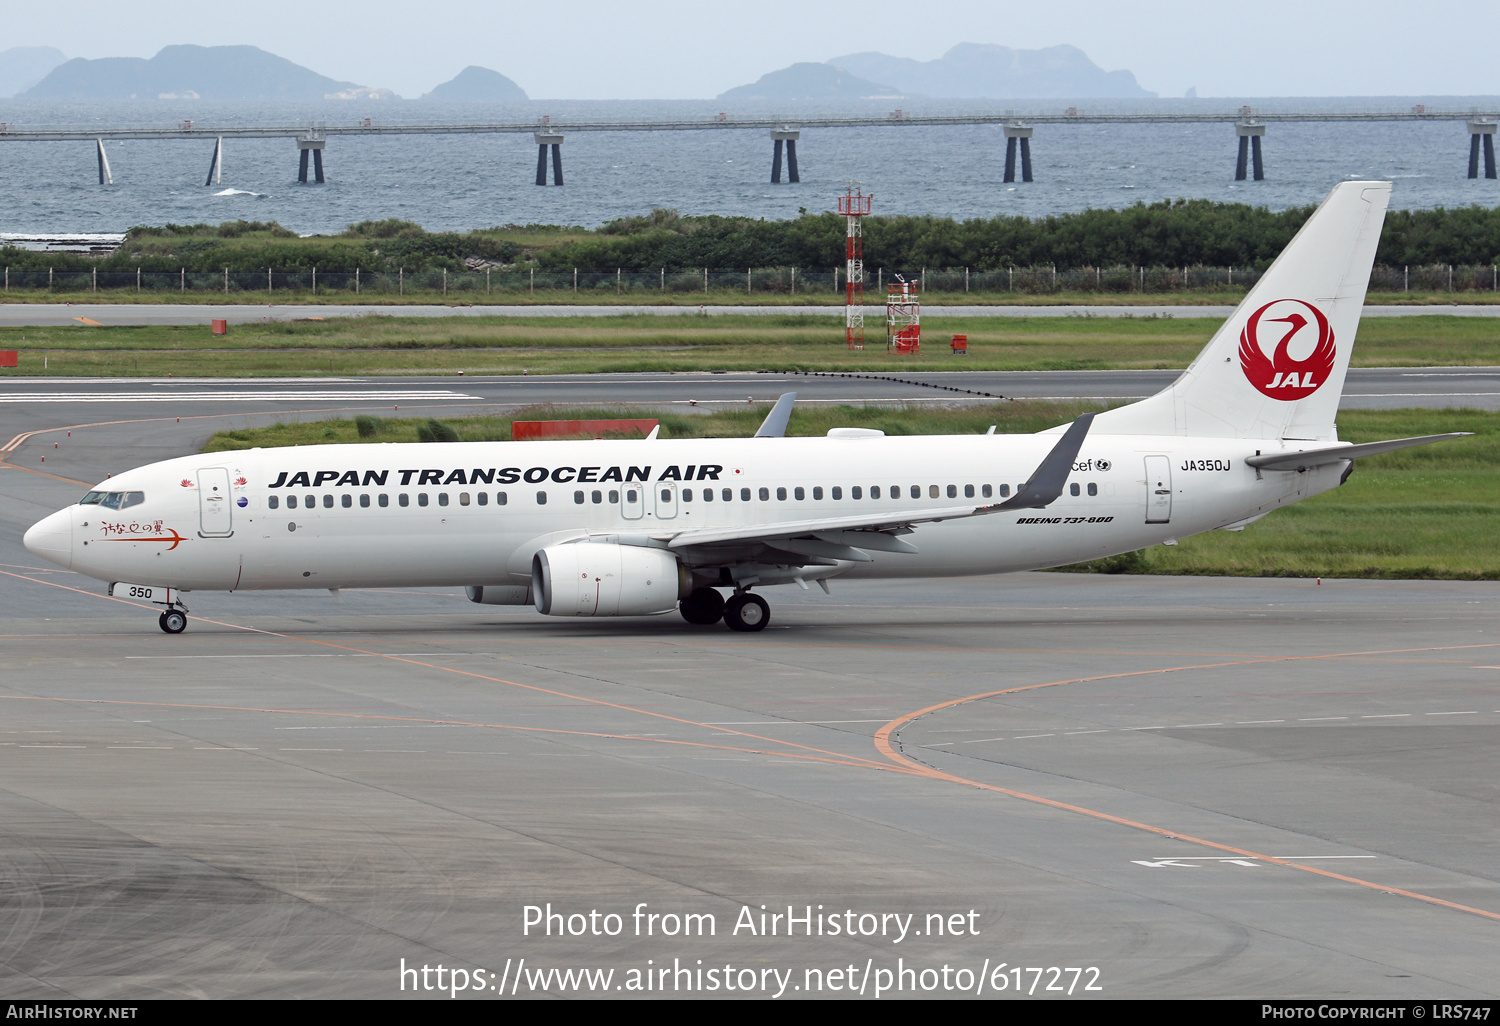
(1300, 354)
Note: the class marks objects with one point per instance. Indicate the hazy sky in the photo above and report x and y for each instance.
(669, 49)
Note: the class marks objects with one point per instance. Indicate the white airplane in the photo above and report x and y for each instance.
(626, 528)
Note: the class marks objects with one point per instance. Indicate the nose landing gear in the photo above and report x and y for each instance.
(173, 621)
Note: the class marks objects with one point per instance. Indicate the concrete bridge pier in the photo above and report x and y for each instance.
(1013, 135)
(1482, 130)
(305, 145)
(789, 137)
(105, 175)
(544, 140)
(216, 165)
(1250, 135)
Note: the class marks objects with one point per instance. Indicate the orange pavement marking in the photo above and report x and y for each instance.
(884, 745)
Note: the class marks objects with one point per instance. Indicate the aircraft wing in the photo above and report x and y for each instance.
(1318, 457)
(845, 537)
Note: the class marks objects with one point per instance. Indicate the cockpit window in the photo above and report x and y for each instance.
(113, 500)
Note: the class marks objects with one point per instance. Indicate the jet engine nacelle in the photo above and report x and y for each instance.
(604, 579)
(500, 594)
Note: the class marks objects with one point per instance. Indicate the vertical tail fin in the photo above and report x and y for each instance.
(1275, 369)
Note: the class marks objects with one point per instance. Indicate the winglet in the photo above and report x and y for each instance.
(1047, 480)
(774, 426)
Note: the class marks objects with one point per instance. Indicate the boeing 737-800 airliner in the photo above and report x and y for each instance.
(626, 528)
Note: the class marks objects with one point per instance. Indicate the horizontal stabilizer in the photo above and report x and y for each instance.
(1319, 457)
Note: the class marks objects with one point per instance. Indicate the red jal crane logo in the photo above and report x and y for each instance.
(1279, 375)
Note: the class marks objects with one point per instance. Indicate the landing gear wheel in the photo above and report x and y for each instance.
(746, 612)
(173, 621)
(703, 606)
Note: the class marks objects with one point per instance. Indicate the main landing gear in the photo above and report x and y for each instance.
(173, 621)
(742, 612)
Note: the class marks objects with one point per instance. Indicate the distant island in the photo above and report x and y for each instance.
(192, 73)
(967, 71)
(476, 83)
(809, 81)
(22, 67)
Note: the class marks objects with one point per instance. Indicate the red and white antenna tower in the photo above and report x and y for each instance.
(854, 205)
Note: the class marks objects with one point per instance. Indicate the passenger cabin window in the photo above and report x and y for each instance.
(798, 494)
(986, 491)
(745, 494)
(578, 497)
(1073, 489)
(500, 498)
(463, 498)
(364, 502)
(347, 501)
(781, 494)
(1093, 488)
(765, 495)
(1004, 490)
(541, 498)
(614, 496)
(272, 502)
(291, 502)
(442, 498)
(483, 498)
(817, 492)
(968, 491)
(383, 500)
(835, 491)
(310, 501)
(874, 492)
(403, 499)
(596, 496)
(916, 491)
(421, 498)
(328, 502)
(708, 495)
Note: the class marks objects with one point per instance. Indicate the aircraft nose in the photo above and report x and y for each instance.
(52, 538)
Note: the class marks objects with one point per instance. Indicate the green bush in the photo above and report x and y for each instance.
(436, 431)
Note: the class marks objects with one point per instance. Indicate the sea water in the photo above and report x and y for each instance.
(465, 182)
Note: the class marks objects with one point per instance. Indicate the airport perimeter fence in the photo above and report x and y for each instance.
(1030, 281)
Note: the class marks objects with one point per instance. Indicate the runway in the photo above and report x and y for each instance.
(1159, 787)
(26, 315)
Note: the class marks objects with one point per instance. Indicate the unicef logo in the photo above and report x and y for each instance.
(1102, 464)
